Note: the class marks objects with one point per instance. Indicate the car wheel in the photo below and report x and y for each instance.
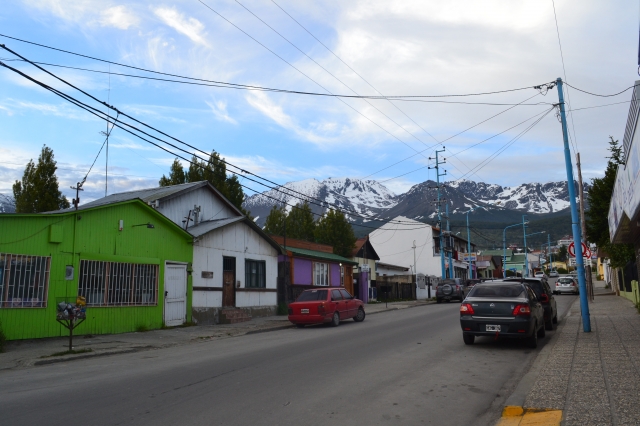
(542, 332)
(300, 325)
(548, 324)
(468, 338)
(555, 319)
(335, 321)
(359, 316)
(532, 341)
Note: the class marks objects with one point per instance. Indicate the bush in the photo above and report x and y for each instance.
(3, 339)
(562, 271)
(283, 309)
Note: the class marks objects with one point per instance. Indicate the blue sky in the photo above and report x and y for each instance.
(400, 48)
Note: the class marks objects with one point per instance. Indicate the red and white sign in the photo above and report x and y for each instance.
(585, 250)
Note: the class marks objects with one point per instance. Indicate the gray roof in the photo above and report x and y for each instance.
(209, 225)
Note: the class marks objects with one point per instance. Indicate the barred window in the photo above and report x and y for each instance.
(255, 273)
(24, 280)
(118, 284)
(321, 274)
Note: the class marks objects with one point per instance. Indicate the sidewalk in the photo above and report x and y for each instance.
(589, 378)
(28, 353)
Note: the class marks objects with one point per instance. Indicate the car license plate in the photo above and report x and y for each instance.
(493, 328)
(304, 311)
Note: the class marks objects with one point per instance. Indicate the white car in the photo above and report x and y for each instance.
(541, 275)
(566, 285)
(553, 274)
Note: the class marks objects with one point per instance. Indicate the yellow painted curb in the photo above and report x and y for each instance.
(519, 416)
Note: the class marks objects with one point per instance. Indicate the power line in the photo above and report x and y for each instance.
(600, 96)
(98, 113)
(253, 87)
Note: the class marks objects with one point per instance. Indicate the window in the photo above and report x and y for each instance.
(312, 295)
(335, 295)
(254, 273)
(24, 281)
(342, 275)
(345, 294)
(489, 290)
(320, 274)
(118, 284)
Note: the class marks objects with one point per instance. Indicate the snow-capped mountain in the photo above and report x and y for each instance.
(363, 197)
(371, 199)
(7, 204)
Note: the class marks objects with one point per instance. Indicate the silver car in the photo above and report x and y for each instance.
(566, 285)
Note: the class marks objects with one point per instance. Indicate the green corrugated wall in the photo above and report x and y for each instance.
(92, 234)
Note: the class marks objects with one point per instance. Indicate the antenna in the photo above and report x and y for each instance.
(106, 166)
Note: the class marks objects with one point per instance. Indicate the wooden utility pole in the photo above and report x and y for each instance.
(583, 225)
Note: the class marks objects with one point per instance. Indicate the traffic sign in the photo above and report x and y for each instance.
(585, 250)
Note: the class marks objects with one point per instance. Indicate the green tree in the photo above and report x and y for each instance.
(562, 254)
(176, 175)
(274, 223)
(334, 229)
(300, 224)
(39, 191)
(235, 194)
(597, 216)
(216, 173)
(196, 170)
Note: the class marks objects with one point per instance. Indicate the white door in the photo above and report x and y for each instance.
(175, 294)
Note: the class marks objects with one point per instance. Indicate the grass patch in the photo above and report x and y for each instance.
(142, 328)
(283, 309)
(188, 324)
(71, 352)
(3, 339)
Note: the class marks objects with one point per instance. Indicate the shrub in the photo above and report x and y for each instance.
(283, 309)
(562, 271)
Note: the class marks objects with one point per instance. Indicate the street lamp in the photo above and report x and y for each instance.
(504, 249)
(469, 241)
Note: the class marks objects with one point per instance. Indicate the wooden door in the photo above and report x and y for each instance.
(175, 290)
(228, 281)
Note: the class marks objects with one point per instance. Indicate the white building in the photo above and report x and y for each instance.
(235, 264)
(565, 241)
(394, 244)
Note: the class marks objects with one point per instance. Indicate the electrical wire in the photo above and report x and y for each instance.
(601, 96)
(120, 124)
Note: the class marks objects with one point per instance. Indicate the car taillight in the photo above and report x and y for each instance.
(544, 298)
(522, 310)
(466, 309)
(457, 287)
(321, 309)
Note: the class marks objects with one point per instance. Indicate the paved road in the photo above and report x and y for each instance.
(401, 367)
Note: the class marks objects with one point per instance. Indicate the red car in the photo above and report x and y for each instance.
(319, 306)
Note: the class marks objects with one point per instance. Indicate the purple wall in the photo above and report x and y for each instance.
(302, 271)
(335, 274)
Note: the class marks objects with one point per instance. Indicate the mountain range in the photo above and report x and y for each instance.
(368, 200)
(7, 204)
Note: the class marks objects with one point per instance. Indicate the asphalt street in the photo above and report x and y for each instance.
(400, 367)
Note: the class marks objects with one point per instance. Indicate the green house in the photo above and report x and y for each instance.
(129, 262)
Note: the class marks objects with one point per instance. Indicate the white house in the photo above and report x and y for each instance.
(235, 264)
(394, 244)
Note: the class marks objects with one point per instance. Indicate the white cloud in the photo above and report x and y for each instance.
(190, 27)
(119, 17)
(219, 109)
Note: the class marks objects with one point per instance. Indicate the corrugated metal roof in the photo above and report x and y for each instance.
(208, 226)
(321, 255)
(147, 195)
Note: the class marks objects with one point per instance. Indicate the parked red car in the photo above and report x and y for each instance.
(329, 305)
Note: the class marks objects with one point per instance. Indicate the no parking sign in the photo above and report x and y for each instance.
(585, 250)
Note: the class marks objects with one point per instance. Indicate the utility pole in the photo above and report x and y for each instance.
(415, 268)
(437, 167)
(582, 223)
(550, 253)
(575, 220)
(450, 253)
(526, 255)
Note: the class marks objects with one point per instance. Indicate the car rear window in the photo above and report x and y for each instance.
(506, 290)
(536, 286)
(566, 280)
(311, 295)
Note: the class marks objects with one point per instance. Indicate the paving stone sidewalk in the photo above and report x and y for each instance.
(34, 352)
(594, 378)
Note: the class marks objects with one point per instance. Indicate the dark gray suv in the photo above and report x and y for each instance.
(449, 289)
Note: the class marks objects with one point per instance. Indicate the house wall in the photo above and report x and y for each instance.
(334, 279)
(91, 235)
(211, 207)
(237, 240)
(302, 271)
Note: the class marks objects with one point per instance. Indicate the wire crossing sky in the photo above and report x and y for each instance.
(254, 79)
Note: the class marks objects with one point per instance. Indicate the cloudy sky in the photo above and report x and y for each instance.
(363, 47)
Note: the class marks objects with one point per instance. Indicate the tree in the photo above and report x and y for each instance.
(235, 194)
(562, 254)
(176, 175)
(599, 200)
(216, 173)
(274, 223)
(39, 191)
(334, 229)
(300, 224)
(196, 170)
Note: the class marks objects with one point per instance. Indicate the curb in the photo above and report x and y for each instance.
(266, 330)
(514, 405)
(399, 309)
(55, 361)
